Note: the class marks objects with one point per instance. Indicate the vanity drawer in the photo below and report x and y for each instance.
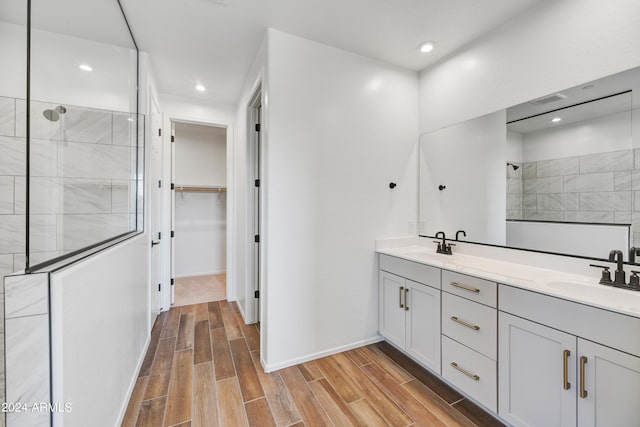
(472, 324)
(474, 374)
(480, 290)
(415, 271)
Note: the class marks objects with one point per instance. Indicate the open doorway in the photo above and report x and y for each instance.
(199, 210)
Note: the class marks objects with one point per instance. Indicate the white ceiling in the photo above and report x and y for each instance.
(204, 41)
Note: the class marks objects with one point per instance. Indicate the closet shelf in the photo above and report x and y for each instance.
(201, 189)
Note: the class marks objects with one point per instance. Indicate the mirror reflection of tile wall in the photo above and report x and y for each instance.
(600, 184)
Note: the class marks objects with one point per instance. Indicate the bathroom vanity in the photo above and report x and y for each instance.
(532, 345)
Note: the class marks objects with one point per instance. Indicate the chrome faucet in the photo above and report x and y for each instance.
(616, 256)
(633, 252)
(443, 247)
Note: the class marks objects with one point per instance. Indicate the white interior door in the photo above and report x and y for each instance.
(155, 206)
(173, 209)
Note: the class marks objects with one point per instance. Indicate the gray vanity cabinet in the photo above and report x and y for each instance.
(533, 389)
(410, 309)
(549, 377)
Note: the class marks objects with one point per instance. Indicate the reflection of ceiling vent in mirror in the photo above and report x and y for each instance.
(549, 99)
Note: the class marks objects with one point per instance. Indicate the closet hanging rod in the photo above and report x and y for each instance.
(202, 189)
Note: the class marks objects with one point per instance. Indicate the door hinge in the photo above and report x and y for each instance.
(173, 138)
(173, 186)
(257, 127)
(159, 184)
(159, 132)
(159, 236)
(256, 238)
(257, 183)
(159, 287)
(256, 294)
(173, 233)
(172, 282)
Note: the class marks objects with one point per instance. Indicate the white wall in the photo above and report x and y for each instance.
(201, 234)
(561, 44)
(469, 159)
(599, 135)
(340, 128)
(99, 320)
(514, 147)
(200, 155)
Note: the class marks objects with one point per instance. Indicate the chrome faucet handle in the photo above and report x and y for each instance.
(605, 279)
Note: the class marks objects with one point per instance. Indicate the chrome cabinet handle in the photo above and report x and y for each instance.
(465, 287)
(463, 323)
(467, 373)
(565, 369)
(400, 296)
(583, 391)
(406, 306)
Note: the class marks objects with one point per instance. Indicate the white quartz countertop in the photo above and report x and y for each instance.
(572, 287)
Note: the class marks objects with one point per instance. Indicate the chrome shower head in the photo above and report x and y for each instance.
(514, 166)
(51, 115)
(54, 115)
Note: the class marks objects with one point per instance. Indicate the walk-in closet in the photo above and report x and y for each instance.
(200, 213)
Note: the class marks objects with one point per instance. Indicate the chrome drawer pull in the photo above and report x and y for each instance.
(463, 323)
(474, 377)
(401, 289)
(465, 287)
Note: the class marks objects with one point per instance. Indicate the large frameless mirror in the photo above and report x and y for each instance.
(558, 174)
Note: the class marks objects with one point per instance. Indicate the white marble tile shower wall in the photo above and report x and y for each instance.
(596, 188)
(514, 191)
(82, 173)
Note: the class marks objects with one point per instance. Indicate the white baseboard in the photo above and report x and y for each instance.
(292, 362)
(201, 273)
(132, 384)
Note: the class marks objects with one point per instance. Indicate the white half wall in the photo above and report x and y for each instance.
(560, 44)
(340, 128)
(99, 332)
(576, 239)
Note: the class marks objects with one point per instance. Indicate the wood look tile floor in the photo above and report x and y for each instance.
(199, 289)
(203, 369)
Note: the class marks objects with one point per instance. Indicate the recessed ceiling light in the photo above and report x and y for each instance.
(85, 67)
(200, 88)
(426, 47)
(556, 119)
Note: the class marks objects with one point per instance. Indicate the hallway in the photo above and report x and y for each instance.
(202, 369)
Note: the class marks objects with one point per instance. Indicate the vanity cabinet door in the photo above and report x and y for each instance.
(392, 312)
(537, 379)
(611, 386)
(423, 324)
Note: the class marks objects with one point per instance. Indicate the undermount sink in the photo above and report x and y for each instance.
(596, 291)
